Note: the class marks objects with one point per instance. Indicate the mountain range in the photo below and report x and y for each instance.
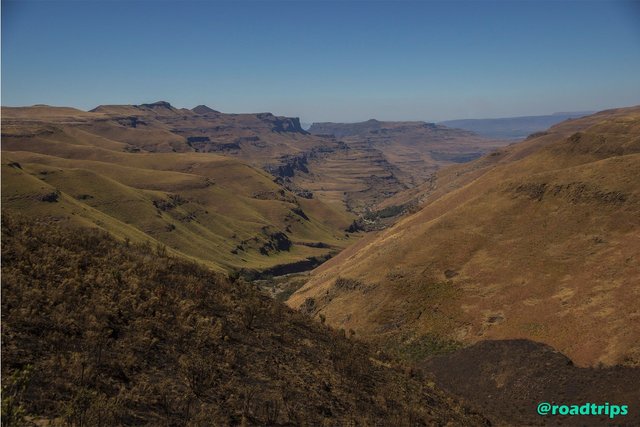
(249, 192)
(432, 276)
(515, 128)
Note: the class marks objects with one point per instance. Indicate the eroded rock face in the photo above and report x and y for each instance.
(290, 165)
(282, 124)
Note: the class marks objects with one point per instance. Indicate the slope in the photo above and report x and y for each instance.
(348, 171)
(509, 378)
(100, 333)
(308, 165)
(540, 241)
(62, 163)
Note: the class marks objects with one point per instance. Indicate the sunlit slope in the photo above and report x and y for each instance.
(351, 171)
(203, 205)
(543, 242)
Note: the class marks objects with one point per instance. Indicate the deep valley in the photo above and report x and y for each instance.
(395, 272)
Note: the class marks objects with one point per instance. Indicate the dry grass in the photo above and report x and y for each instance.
(97, 332)
(540, 241)
(111, 175)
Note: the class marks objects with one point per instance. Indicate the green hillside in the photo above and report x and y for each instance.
(216, 209)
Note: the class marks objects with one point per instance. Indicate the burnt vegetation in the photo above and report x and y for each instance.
(98, 332)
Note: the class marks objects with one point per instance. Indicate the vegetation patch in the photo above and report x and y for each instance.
(419, 348)
(345, 284)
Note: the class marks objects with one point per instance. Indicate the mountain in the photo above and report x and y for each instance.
(308, 165)
(414, 149)
(354, 173)
(248, 192)
(512, 127)
(537, 240)
(203, 109)
(125, 169)
(102, 333)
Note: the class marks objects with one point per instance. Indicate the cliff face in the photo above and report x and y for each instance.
(414, 149)
(282, 124)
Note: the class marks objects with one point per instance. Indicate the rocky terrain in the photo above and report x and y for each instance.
(383, 158)
(125, 171)
(249, 192)
(414, 149)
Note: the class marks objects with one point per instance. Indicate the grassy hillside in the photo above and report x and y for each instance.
(538, 241)
(98, 332)
(63, 164)
(353, 172)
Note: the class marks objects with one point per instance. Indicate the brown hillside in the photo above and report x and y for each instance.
(99, 333)
(508, 379)
(540, 241)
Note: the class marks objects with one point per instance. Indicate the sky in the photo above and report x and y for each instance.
(326, 60)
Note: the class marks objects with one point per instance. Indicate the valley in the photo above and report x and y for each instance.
(537, 240)
(244, 192)
(320, 213)
(420, 251)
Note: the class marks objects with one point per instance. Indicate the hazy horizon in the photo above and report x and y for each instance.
(326, 61)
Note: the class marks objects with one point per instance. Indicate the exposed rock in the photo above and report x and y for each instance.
(158, 105)
(277, 242)
(50, 197)
(131, 121)
(291, 165)
(192, 139)
(282, 124)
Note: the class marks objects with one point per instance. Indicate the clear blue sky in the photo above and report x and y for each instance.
(324, 60)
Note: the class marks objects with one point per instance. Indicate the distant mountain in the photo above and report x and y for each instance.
(512, 127)
(203, 109)
(414, 149)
